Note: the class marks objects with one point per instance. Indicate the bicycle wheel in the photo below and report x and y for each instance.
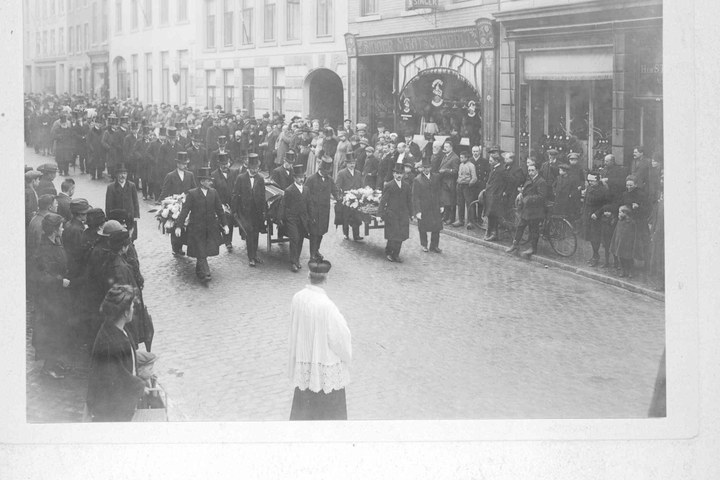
(561, 235)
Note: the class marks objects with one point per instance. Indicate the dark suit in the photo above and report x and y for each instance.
(282, 177)
(295, 215)
(535, 193)
(173, 185)
(426, 201)
(448, 184)
(31, 203)
(46, 187)
(350, 218)
(320, 190)
(249, 205)
(494, 198)
(123, 198)
(224, 186)
(198, 157)
(203, 230)
(396, 209)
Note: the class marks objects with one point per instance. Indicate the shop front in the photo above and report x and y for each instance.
(426, 82)
(588, 77)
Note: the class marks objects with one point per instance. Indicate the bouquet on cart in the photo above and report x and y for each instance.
(169, 212)
(364, 200)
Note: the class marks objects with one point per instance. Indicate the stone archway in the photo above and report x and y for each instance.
(122, 86)
(324, 97)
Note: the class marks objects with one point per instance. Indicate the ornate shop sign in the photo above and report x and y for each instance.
(415, 4)
(481, 36)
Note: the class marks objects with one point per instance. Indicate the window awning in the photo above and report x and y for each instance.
(568, 65)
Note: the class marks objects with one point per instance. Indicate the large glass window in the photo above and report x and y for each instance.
(104, 20)
(247, 22)
(324, 18)
(248, 90)
(210, 23)
(164, 12)
(228, 22)
(135, 76)
(61, 40)
(148, 77)
(118, 16)
(148, 13)
(293, 18)
(182, 12)
(184, 61)
(134, 15)
(269, 20)
(278, 90)
(228, 87)
(368, 7)
(210, 87)
(165, 66)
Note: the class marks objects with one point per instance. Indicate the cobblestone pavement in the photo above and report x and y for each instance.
(470, 333)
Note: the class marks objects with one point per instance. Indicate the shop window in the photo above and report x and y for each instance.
(228, 87)
(210, 87)
(248, 90)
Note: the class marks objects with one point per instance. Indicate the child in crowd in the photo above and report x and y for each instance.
(467, 178)
(623, 240)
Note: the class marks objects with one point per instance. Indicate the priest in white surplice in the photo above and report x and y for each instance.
(320, 351)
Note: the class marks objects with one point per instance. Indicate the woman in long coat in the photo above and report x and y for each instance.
(51, 330)
(344, 146)
(113, 385)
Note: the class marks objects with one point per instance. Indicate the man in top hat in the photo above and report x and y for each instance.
(49, 172)
(249, 206)
(223, 182)
(204, 230)
(321, 188)
(145, 159)
(96, 150)
(197, 152)
(32, 184)
(122, 195)
(294, 215)
(396, 210)
(115, 150)
(320, 351)
(494, 194)
(169, 151)
(348, 179)
(282, 176)
(177, 182)
(426, 206)
(221, 142)
(130, 154)
(215, 131)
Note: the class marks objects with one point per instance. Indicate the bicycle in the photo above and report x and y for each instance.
(557, 230)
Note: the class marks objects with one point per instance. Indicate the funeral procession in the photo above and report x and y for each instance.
(328, 210)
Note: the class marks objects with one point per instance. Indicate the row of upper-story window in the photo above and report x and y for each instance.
(231, 23)
(372, 7)
(50, 8)
(50, 43)
(142, 13)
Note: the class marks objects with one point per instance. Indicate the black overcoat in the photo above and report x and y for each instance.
(426, 200)
(206, 217)
(396, 209)
(122, 198)
(173, 185)
(495, 192)
(294, 207)
(320, 190)
(534, 196)
(282, 177)
(224, 186)
(248, 203)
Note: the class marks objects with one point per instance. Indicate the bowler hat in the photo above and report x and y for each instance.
(494, 148)
(350, 157)
(163, 132)
(182, 157)
(573, 155)
(110, 227)
(79, 206)
(298, 170)
(121, 168)
(204, 173)
(399, 168)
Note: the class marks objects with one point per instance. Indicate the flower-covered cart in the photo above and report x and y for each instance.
(365, 201)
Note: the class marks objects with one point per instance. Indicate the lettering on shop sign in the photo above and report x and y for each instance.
(478, 37)
(415, 4)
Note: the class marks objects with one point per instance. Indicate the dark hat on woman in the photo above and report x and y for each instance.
(51, 222)
(95, 218)
(494, 148)
(78, 206)
(204, 173)
(119, 239)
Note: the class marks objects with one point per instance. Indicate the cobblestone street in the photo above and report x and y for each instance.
(470, 333)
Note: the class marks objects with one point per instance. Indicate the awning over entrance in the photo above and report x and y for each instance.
(568, 65)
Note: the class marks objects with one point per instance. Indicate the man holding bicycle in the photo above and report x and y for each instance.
(531, 203)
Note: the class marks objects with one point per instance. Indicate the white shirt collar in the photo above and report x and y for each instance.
(204, 190)
(399, 184)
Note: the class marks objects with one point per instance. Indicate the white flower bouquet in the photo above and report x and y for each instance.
(169, 212)
(365, 200)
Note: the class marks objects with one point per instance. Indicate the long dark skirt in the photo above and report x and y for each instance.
(308, 405)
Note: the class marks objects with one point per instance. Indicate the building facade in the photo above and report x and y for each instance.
(152, 47)
(285, 56)
(45, 54)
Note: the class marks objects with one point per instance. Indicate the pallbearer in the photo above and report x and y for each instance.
(295, 215)
(249, 206)
(396, 209)
(204, 228)
(176, 182)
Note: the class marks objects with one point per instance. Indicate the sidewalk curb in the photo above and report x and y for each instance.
(562, 266)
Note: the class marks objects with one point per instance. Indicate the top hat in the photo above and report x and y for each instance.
(112, 119)
(223, 158)
(426, 162)
(123, 119)
(290, 156)
(178, 125)
(122, 167)
(298, 170)
(162, 132)
(253, 160)
(399, 168)
(350, 157)
(182, 157)
(171, 132)
(204, 173)
(79, 206)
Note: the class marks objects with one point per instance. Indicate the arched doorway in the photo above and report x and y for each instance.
(122, 85)
(323, 91)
